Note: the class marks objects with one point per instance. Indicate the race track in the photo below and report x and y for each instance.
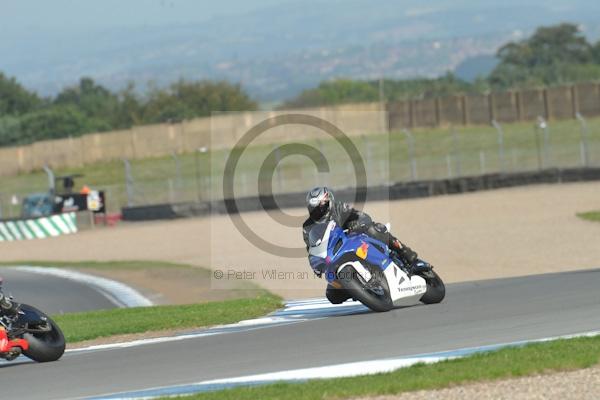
(52, 294)
(473, 314)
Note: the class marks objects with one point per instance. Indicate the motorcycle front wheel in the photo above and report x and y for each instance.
(374, 294)
(436, 290)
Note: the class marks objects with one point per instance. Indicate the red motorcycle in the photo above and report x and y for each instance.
(26, 330)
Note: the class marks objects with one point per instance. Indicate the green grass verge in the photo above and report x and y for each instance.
(536, 358)
(255, 302)
(590, 216)
(96, 324)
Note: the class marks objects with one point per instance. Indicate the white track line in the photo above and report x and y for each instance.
(326, 372)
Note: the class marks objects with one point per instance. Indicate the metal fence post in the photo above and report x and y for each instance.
(278, 168)
(482, 169)
(501, 160)
(536, 134)
(171, 190)
(543, 125)
(585, 157)
(51, 179)
(410, 140)
(129, 184)
(178, 186)
(456, 141)
(197, 152)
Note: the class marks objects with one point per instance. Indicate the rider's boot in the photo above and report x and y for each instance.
(11, 349)
(399, 251)
(404, 253)
(335, 295)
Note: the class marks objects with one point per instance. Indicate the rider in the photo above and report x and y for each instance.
(322, 206)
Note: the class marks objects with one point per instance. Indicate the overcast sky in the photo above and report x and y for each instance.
(21, 15)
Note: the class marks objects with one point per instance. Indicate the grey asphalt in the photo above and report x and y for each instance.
(51, 294)
(473, 314)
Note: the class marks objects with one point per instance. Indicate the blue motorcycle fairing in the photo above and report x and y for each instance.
(377, 252)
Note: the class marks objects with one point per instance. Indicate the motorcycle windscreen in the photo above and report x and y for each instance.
(318, 238)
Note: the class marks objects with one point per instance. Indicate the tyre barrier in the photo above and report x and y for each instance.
(38, 228)
(396, 191)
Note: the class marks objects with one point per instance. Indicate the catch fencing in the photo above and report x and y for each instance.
(397, 156)
(404, 155)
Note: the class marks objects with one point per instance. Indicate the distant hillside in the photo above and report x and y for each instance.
(476, 67)
(283, 48)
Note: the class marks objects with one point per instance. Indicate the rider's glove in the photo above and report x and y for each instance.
(408, 255)
(6, 306)
(319, 270)
(356, 226)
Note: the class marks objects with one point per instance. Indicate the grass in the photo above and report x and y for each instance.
(590, 216)
(97, 324)
(560, 355)
(439, 153)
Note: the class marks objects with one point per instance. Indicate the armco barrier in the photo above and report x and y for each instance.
(397, 191)
(38, 228)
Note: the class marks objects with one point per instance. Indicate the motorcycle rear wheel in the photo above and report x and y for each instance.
(44, 346)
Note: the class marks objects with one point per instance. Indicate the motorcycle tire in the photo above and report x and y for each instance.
(44, 346)
(436, 290)
(351, 281)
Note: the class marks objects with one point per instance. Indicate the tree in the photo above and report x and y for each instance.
(562, 43)
(350, 91)
(335, 92)
(14, 98)
(549, 45)
(93, 100)
(129, 112)
(185, 100)
(57, 122)
(427, 88)
(90, 107)
(554, 54)
(10, 130)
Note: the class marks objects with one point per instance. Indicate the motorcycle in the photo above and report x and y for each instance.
(367, 271)
(26, 330)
